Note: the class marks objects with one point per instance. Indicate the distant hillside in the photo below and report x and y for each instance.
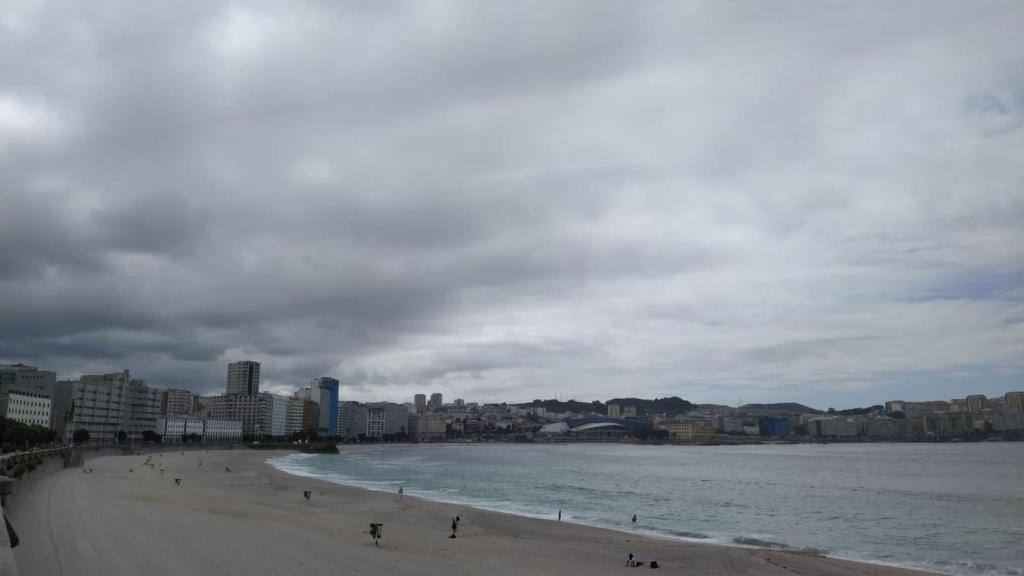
(715, 407)
(858, 411)
(568, 406)
(671, 406)
(781, 408)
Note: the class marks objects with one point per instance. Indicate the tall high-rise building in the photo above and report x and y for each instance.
(976, 403)
(420, 400)
(244, 378)
(347, 415)
(436, 402)
(1014, 401)
(175, 402)
(329, 398)
(293, 422)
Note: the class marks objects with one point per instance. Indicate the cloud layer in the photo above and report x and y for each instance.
(820, 203)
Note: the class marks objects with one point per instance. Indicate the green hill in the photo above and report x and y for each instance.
(781, 408)
(672, 405)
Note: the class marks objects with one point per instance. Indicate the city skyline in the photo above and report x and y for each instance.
(434, 401)
(700, 200)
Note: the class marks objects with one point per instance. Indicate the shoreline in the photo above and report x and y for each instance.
(233, 513)
(651, 534)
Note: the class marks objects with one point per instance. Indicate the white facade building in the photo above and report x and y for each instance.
(222, 431)
(209, 431)
(29, 407)
(26, 394)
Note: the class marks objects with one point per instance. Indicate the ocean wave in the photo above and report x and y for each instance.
(760, 543)
(718, 513)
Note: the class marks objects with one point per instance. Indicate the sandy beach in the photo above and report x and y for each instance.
(254, 520)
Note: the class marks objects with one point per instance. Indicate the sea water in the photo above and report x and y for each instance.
(956, 508)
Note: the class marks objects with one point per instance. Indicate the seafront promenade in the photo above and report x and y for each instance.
(126, 518)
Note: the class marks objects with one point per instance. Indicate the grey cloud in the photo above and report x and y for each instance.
(504, 201)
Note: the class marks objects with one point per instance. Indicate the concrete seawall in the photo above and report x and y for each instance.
(17, 490)
(13, 491)
(7, 567)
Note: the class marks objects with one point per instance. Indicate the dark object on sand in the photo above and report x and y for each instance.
(177, 481)
(654, 564)
(308, 493)
(376, 531)
(227, 469)
(12, 536)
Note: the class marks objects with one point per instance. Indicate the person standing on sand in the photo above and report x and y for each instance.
(559, 515)
(455, 527)
(401, 490)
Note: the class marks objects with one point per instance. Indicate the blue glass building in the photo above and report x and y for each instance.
(329, 398)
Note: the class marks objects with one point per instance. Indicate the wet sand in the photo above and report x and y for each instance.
(254, 520)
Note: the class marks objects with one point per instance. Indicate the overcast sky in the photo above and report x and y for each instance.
(814, 201)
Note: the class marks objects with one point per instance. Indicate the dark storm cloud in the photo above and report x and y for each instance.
(512, 201)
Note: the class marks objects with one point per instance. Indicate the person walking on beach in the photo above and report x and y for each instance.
(401, 490)
(455, 527)
(559, 515)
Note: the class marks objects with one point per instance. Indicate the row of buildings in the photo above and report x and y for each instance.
(970, 417)
(118, 408)
(107, 408)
